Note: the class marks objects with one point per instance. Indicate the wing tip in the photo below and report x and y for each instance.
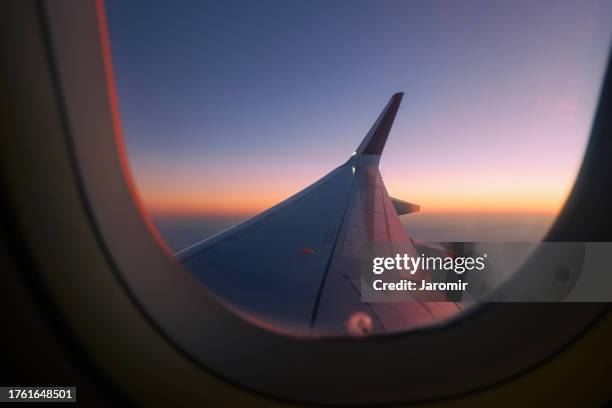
(374, 142)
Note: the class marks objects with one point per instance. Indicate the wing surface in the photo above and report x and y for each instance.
(296, 264)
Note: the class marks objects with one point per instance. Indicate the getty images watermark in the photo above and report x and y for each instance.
(414, 268)
(487, 271)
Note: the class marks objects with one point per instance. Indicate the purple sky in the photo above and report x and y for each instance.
(229, 107)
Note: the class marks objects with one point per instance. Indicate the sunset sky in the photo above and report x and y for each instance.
(230, 107)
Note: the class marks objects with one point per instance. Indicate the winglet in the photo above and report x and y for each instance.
(374, 142)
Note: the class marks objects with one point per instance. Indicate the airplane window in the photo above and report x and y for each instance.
(425, 125)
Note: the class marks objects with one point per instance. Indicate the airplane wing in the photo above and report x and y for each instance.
(295, 265)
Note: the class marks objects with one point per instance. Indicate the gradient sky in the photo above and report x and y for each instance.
(229, 107)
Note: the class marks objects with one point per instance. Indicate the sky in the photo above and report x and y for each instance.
(230, 107)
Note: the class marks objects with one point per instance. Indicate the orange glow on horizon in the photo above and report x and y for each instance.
(238, 205)
(211, 205)
(240, 193)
